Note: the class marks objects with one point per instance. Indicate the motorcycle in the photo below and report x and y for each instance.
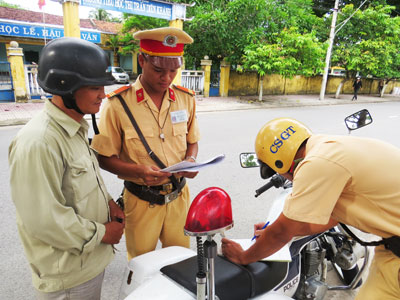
(181, 273)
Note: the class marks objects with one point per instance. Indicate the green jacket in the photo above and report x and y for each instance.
(60, 199)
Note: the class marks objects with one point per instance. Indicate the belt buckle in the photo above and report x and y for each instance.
(171, 196)
(168, 187)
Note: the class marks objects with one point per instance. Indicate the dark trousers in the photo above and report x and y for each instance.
(355, 94)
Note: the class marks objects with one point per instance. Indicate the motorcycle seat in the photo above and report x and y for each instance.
(232, 281)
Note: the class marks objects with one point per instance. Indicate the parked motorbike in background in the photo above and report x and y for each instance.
(181, 273)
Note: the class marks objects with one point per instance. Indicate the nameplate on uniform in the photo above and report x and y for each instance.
(179, 116)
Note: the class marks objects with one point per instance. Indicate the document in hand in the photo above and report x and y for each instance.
(282, 255)
(193, 166)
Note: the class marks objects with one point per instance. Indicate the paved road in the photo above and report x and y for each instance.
(228, 132)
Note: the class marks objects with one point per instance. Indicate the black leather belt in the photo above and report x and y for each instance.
(154, 194)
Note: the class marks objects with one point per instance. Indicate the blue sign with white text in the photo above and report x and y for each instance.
(154, 9)
(42, 32)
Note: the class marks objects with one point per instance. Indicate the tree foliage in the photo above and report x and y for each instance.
(222, 29)
(369, 42)
(128, 44)
(6, 4)
(133, 23)
(102, 15)
(114, 43)
(323, 7)
(287, 37)
(99, 14)
(292, 54)
(136, 23)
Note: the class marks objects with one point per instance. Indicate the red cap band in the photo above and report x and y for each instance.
(157, 48)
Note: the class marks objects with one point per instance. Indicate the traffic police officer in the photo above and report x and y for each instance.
(335, 179)
(155, 207)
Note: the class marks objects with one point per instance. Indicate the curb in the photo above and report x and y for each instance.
(255, 104)
(216, 104)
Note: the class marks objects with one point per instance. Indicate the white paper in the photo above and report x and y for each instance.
(281, 255)
(193, 166)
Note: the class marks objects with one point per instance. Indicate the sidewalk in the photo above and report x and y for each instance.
(20, 113)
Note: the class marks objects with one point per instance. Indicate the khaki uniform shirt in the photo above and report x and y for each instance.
(60, 199)
(354, 180)
(176, 120)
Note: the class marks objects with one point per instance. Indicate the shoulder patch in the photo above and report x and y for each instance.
(185, 90)
(118, 91)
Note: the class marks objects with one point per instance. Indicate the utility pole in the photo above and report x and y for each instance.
(71, 18)
(329, 51)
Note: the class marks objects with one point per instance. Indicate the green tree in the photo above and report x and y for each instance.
(285, 37)
(6, 4)
(368, 43)
(292, 54)
(103, 15)
(222, 29)
(248, 160)
(136, 23)
(114, 43)
(99, 14)
(133, 23)
(128, 44)
(323, 7)
(395, 12)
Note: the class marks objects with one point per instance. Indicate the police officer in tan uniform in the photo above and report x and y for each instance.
(334, 180)
(155, 207)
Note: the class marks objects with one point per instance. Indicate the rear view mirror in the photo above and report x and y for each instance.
(357, 120)
(248, 160)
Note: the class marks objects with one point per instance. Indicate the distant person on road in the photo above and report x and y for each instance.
(380, 86)
(66, 219)
(156, 203)
(357, 85)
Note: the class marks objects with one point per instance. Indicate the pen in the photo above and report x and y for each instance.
(265, 226)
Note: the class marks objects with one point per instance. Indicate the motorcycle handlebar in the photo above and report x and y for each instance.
(276, 181)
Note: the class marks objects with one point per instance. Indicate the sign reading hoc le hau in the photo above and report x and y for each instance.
(42, 32)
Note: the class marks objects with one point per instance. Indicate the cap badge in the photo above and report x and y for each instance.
(170, 41)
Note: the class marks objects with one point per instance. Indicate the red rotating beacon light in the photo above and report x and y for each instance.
(209, 213)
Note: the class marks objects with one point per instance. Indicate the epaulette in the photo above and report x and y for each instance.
(118, 91)
(185, 90)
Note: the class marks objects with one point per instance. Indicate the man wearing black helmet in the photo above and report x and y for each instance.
(66, 219)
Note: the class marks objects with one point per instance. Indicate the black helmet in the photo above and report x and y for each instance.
(66, 64)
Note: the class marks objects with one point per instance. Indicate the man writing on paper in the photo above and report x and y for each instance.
(155, 207)
(334, 180)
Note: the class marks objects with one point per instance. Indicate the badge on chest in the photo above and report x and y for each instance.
(179, 116)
